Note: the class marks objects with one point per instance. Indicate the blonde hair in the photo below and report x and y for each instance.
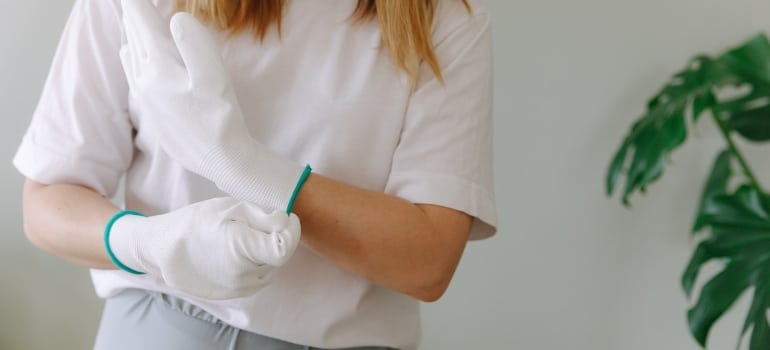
(405, 24)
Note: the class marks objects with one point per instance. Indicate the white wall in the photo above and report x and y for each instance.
(45, 303)
(570, 269)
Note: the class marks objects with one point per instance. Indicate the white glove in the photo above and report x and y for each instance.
(182, 84)
(219, 248)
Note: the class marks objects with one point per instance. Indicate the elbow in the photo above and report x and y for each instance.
(430, 282)
(431, 285)
(35, 236)
(431, 293)
(440, 253)
(32, 227)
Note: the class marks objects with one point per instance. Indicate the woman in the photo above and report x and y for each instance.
(389, 101)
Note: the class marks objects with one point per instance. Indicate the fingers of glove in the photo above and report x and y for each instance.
(271, 238)
(125, 61)
(255, 217)
(132, 41)
(199, 52)
(132, 13)
(289, 237)
(147, 32)
(280, 242)
(128, 61)
(261, 246)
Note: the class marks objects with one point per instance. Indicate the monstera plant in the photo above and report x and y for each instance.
(733, 218)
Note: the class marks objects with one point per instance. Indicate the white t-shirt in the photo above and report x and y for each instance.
(326, 93)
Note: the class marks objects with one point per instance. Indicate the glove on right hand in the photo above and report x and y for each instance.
(219, 248)
(181, 83)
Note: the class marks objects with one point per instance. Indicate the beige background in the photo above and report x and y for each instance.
(569, 269)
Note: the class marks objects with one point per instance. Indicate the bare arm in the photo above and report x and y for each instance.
(413, 249)
(68, 221)
(410, 248)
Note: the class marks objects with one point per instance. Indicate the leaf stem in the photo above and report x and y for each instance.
(717, 115)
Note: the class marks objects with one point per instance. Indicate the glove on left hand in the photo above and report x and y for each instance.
(220, 248)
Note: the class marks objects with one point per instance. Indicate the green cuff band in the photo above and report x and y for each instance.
(300, 182)
(107, 230)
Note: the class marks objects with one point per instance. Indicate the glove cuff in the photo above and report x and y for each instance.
(251, 172)
(107, 231)
(300, 182)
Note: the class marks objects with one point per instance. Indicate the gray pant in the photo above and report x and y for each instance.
(137, 319)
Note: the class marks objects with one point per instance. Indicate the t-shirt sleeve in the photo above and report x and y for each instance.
(444, 155)
(80, 131)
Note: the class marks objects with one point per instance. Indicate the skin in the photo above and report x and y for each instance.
(410, 248)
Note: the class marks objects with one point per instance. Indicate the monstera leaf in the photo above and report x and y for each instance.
(748, 115)
(690, 93)
(739, 237)
(663, 128)
(734, 88)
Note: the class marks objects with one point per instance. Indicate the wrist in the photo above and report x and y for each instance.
(300, 182)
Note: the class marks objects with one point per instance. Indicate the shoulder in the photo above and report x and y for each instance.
(99, 23)
(111, 9)
(453, 15)
(97, 8)
(458, 8)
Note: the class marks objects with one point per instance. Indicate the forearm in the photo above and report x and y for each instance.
(413, 249)
(68, 221)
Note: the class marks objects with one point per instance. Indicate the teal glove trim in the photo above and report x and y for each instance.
(107, 229)
(300, 182)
